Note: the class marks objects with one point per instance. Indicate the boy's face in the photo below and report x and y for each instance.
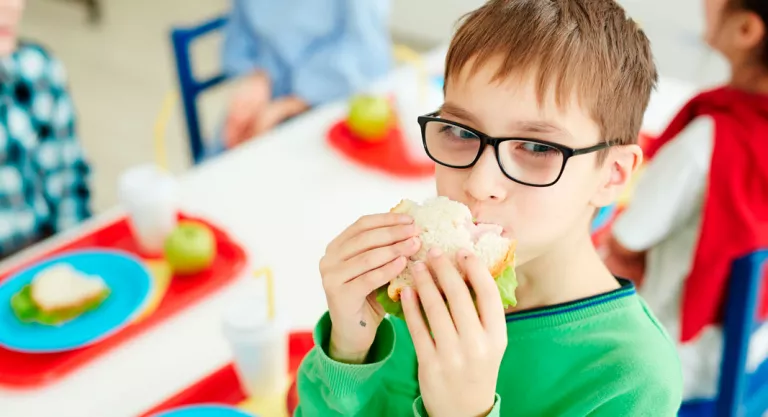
(539, 218)
(10, 16)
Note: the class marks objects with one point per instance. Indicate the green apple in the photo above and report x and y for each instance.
(190, 248)
(370, 117)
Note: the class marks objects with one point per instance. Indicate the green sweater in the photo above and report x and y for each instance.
(601, 356)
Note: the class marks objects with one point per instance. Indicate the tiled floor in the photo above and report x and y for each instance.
(121, 70)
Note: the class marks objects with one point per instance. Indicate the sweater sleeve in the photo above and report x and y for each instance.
(649, 401)
(386, 385)
(60, 159)
(631, 384)
(420, 411)
(244, 49)
(356, 53)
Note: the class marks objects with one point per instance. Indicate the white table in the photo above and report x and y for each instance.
(283, 197)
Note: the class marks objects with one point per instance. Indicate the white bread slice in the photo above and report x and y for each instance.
(62, 288)
(448, 224)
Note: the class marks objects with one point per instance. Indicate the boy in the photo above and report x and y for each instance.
(43, 174)
(295, 54)
(565, 83)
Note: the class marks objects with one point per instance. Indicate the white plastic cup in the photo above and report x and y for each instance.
(259, 346)
(150, 197)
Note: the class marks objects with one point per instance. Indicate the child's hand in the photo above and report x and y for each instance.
(277, 111)
(458, 370)
(364, 257)
(252, 96)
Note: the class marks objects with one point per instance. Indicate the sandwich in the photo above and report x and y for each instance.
(57, 295)
(449, 225)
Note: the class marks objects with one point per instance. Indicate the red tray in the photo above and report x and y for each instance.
(29, 370)
(223, 388)
(390, 155)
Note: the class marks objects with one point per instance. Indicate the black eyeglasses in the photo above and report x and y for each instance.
(531, 162)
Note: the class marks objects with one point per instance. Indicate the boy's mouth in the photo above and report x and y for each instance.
(479, 228)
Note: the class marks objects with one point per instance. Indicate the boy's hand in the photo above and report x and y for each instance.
(458, 370)
(364, 257)
(276, 112)
(252, 96)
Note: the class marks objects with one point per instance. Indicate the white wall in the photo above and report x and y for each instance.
(433, 20)
(674, 27)
(428, 21)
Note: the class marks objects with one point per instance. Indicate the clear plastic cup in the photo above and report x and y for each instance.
(150, 197)
(259, 345)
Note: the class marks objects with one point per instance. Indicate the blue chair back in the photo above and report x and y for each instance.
(190, 87)
(739, 393)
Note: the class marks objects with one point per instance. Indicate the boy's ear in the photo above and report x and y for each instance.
(620, 165)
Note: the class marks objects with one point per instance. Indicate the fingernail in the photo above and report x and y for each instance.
(406, 219)
(419, 266)
(435, 252)
(413, 241)
(407, 293)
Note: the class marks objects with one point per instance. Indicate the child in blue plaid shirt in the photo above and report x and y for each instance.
(43, 173)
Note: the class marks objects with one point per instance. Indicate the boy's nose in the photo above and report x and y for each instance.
(485, 180)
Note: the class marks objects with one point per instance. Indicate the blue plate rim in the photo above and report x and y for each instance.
(214, 406)
(125, 323)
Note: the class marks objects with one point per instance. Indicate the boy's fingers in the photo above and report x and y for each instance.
(378, 257)
(422, 341)
(239, 130)
(373, 221)
(370, 281)
(382, 237)
(459, 299)
(231, 128)
(487, 293)
(434, 307)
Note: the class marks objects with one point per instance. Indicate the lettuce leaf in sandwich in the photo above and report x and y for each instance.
(506, 283)
(27, 311)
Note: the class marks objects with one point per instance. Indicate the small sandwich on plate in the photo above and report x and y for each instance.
(59, 294)
(448, 225)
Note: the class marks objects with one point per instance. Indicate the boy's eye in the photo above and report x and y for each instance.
(536, 147)
(458, 132)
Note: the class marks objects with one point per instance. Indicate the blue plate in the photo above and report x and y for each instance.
(130, 285)
(204, 411)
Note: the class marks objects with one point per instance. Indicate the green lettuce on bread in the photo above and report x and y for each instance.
(449, 225)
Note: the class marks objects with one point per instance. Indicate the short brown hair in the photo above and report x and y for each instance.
(589, 48)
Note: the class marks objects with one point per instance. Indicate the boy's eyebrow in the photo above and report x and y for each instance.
(539, 126)
(528, 126)
(459, 112)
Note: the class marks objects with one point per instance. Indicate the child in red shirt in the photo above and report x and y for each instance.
(703, 200)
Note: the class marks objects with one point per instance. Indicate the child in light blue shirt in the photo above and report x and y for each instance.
(291, 55)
